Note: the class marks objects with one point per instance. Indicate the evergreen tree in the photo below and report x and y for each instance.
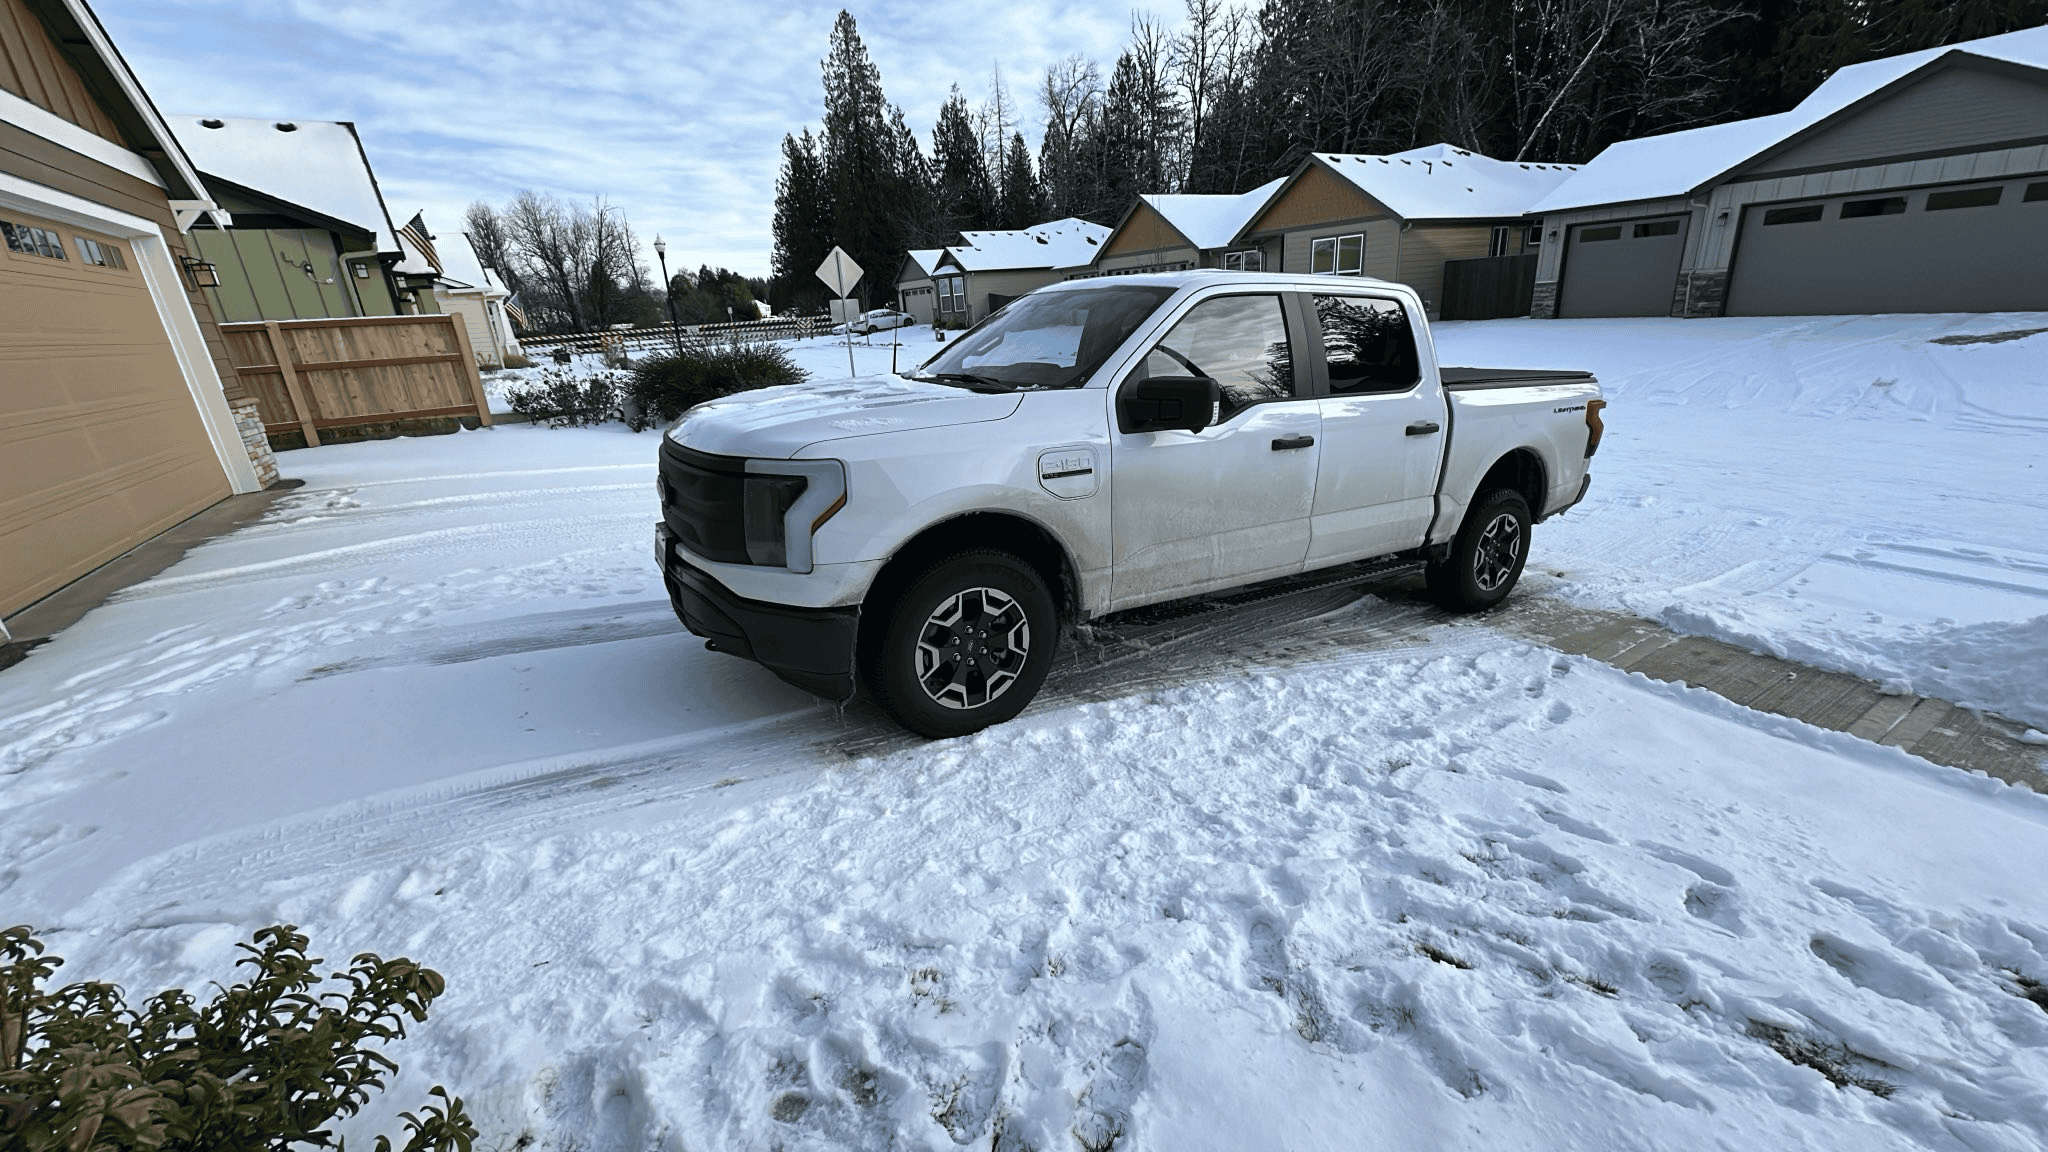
(860, 154)
(803, 225)
(966, 195)
(1023, 200)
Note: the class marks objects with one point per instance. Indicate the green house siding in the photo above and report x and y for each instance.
(263, 274)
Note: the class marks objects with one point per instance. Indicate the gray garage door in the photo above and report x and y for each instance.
(1959, 248)
(1626, 268)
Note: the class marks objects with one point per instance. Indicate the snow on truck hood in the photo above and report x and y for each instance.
(777, 423)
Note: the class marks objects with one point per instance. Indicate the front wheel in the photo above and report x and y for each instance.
(966, 645)
(1487, 556)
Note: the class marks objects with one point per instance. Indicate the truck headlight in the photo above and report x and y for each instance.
(784, 503)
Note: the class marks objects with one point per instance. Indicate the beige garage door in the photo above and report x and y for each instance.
(101, 445)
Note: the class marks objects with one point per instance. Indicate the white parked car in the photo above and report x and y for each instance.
(1096, 446)
(882, 319)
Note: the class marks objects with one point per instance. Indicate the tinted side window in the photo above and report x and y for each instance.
(1368, 344)
(1239, 341)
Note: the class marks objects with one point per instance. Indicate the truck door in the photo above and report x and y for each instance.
(1384, 430)
(1230, 504)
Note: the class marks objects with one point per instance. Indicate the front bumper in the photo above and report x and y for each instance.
(812, 648)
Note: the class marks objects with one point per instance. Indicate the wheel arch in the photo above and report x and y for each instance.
(1003, 531)
(1520, 471)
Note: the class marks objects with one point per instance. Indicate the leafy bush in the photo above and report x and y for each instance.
(266, 1065)
(664, 387)
(561, 398)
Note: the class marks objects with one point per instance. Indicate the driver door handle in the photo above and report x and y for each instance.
(1285, 443)
(1423, 427)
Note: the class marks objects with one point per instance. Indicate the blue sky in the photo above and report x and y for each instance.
(675, 111)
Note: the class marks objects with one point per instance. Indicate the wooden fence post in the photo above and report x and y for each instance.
(474, 376)
(300, 407)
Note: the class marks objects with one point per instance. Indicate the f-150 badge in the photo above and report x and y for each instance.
(1068, 473)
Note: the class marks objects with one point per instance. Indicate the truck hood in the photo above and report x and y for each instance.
(777, 423)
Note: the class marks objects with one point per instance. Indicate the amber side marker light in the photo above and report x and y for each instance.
(1595, 427)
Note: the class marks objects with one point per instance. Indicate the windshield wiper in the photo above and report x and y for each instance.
(987, 383)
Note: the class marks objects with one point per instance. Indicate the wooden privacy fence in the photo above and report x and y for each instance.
(312, 374)
(1488, 288)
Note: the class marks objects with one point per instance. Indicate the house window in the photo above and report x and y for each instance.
(33, 241)
(1656, 228)
(1964, 198)
(1533, 238)
(103, 255)
(1887, 206)
(1337, 255)
(1249, 260)
(1803, 214)
(1497, 245)
(952, 293)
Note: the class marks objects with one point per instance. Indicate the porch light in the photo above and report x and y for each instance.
(202, 272)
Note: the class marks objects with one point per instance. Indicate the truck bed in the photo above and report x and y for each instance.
(1473, 379)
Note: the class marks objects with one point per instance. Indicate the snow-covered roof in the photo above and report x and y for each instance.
(1441, 182)
(926, 259)
(1212, 221)
(317, 164)
(1679, 163)
(1065, 243)
(462, 269)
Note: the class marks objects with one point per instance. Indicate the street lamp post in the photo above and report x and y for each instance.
(668, 293)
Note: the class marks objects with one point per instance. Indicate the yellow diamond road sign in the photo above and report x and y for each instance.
(839, 272)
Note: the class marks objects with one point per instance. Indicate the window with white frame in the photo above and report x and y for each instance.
(1338, 255)
(952, 293)
(1247, 260)
(1497, 245)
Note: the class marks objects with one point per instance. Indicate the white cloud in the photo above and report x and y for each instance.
(675, 111)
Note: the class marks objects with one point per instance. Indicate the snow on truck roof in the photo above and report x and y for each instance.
(1442, 182)
(316, 164)
(1679, 163)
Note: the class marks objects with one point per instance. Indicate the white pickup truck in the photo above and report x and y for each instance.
(1093, 447)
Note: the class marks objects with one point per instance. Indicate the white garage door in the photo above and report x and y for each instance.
(101, 444)
(1624, 268)
(1959, 248)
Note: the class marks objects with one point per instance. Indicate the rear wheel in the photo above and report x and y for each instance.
(1487, 556)
(966, 645)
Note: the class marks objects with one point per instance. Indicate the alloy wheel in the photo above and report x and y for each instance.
(972, 648)
(1499, 551)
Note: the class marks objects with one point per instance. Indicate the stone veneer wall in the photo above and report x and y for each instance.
(249, 422)
(1543, 304)
(1700, 294)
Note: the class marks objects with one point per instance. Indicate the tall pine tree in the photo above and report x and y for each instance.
(1023, 200)
(860, 156)
(803, 225)
(966, 194)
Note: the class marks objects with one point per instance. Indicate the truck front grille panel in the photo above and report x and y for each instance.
(703, 502)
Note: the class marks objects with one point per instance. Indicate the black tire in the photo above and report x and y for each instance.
(1486, 558)
(990, 606)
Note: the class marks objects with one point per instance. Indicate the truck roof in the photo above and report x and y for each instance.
(1198, 277)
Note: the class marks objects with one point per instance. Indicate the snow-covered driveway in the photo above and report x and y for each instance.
(1470, 894)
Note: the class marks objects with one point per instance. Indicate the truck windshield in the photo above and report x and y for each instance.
(1048, 339)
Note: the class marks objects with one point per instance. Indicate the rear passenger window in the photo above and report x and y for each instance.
(1238, 341)
(1367, 344)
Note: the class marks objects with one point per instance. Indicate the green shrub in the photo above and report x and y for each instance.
(664, 387)
(561, 398)
(265, 1065)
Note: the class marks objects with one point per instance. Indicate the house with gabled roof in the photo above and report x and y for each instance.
(120, 411)
(1915, 183)
(1401, 216)
(310, 236)
(915, 292)
(1171, 232)
(989, 269)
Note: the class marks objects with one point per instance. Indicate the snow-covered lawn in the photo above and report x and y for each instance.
(1475, 894)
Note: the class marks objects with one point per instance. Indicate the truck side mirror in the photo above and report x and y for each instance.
(1162, 403)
